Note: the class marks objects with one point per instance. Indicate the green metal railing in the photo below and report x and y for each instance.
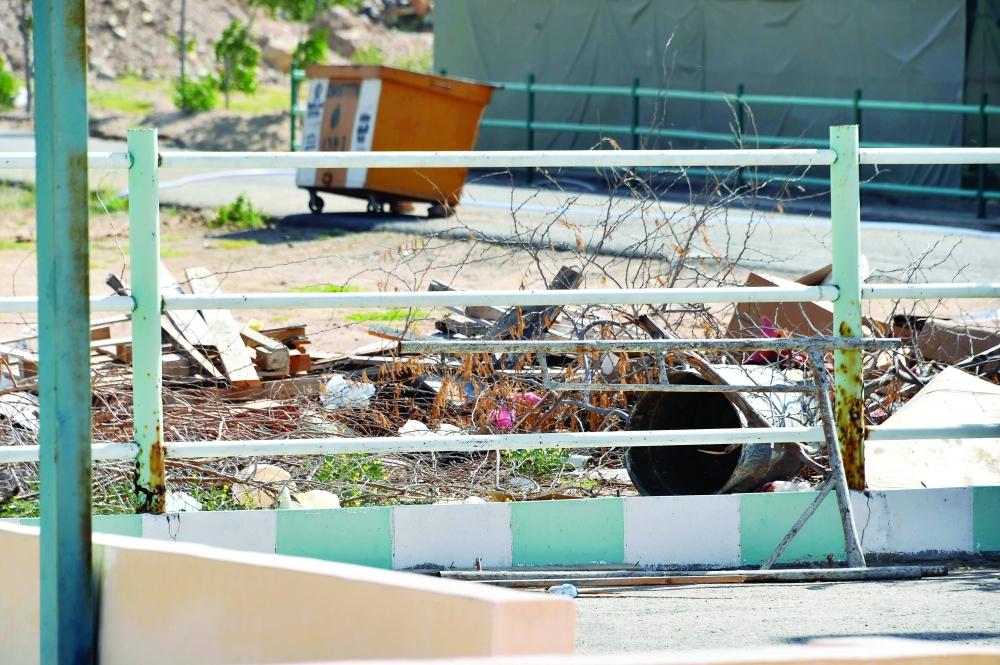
(740, 102)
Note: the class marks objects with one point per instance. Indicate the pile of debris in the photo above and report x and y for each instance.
(227, 380)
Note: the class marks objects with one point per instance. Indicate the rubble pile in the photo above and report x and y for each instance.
(229, 380)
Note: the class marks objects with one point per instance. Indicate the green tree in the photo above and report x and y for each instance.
(312, 50)
(26, 26)
(238, 58)
(302, 11)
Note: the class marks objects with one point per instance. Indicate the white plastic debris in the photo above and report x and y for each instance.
(417, 428)
(344, 394)
(413, 428)
(567, 590)
(318, 499)
(579, 461)
(786, 486)
(182, 502)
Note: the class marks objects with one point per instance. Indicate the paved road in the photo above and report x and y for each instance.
(783, 243)
(963, 608)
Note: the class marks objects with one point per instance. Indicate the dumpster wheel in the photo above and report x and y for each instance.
(315, 202)
(439, 211)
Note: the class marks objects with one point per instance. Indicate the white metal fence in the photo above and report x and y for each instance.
(147, 305)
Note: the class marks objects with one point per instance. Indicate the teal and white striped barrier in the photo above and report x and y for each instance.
(684, 531)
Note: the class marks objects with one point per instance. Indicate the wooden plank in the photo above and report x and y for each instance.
(189, 323)
(299, 362)
(271, 355)
(174, 335)
(534, 322)
(286, 334)
(225, 333)
(652, 580)
(462, 325)
(485, 312)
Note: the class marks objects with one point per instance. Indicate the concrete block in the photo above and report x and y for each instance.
(568, 532)
(682, 530)
(168, 603)
(245, 530)
(19, 595)
(922, 522)
(452, 535)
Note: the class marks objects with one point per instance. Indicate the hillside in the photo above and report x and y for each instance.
(137, 37)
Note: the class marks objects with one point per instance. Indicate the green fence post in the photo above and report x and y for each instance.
(293, 116)
(147, 372)
(529, 174)
(740, 119)
(845, 216)
(981, 172)
(66, 601)
(857, 110)
(635, 114)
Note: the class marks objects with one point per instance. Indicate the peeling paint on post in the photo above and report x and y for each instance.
(147, 372)
(845, 214)
(67, 593)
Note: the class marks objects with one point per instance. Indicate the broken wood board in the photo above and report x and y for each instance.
(534, 322)
(189, 323)
(224, 333)
(271, 355)
(174, 335)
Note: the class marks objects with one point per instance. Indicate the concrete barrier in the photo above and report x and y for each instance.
(168, 603)
(845, 651)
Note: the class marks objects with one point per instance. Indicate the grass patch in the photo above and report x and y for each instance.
(120, 100)
(17, 244)
(107, 201)
(326, 288)
(16, 197)
(394, 314)
(368, 55)
(235, 243)
(267, 99)
(172, 252)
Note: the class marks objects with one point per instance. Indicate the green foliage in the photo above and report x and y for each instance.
(352, 468)
(17, 197)
(394, 314)
(19, 508)
(313, 50)
(326, 288)
(107, 201)
(17, 245)
(8, 87)
(121, 101)
(194, 95)
(418, 63)
(214, 498)
(368, 55)
(238, 58)
(240, 214)
(235, 243)
(302, 11)
(541, 463)
(189, 44)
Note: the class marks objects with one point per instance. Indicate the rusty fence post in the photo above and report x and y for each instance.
(845, 216)
(147, 372)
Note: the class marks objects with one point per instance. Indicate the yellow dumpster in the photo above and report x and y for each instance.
(384, 108)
